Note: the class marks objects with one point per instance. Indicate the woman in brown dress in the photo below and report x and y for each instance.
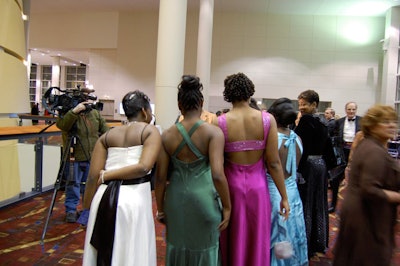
(369, 211)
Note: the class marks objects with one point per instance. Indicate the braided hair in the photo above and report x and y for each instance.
(238, 87)
(133, 103)
(283, 111)
(189, 93)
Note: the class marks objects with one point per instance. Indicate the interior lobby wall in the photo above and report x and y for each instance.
(339, 57)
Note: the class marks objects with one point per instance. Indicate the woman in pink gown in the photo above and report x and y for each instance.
(250, 148)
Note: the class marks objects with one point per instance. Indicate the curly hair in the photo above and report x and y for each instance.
(309, 96)
(377, 114)
(238, 87)
(189, 93)
(133, 102)
(283, 111)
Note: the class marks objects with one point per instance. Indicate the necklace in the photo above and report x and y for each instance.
(131, 122)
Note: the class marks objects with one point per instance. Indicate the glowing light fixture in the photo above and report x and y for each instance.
(370, 8)
(356, 32)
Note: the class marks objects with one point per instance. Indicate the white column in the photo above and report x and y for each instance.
(204, 45)
(27, 12)
(170, 59)
(55, 72)
(390, 68)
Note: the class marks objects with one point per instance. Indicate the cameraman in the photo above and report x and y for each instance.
(86, 124)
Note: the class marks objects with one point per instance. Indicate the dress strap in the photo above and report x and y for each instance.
(186, 138)
(141, 135)
(223, 126)
(266, 123)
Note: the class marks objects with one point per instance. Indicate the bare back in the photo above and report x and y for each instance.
(201, 138)
(244, 124)
(126, 136)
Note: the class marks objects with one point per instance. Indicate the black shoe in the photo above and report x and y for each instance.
(71, 217)
(331, 209)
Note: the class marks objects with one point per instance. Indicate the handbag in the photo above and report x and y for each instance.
(283, 249)
(336, 172)
(333, 154)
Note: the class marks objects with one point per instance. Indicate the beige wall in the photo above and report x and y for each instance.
(282, 54)
(74, 30)
(285, 55)
(13, 73)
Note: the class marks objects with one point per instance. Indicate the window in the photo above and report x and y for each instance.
(33, 84)
(75, 76)
(46, 78)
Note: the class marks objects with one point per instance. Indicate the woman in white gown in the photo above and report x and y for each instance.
(120, 229)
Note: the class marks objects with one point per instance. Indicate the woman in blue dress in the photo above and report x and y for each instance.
(290, 150)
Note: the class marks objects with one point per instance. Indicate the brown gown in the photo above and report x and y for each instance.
(367, 219)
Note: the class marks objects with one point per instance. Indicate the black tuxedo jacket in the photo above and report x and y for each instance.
(339, 125)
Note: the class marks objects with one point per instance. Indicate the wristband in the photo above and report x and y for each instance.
(102, 172)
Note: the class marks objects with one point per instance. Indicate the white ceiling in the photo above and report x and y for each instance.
(301, 7)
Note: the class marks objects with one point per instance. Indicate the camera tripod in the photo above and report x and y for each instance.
(72, 140)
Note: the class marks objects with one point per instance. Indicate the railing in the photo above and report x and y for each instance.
(37, 135)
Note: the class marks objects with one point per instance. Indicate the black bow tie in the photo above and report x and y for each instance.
(351, 119)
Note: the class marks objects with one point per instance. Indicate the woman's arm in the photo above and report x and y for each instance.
(216, 157)
(274, 166)
(97, 163)
(161, 181)
(393, 196)
(373, 174)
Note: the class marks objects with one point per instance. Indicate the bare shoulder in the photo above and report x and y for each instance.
(153, 130)
(213, 130)
(168, 133)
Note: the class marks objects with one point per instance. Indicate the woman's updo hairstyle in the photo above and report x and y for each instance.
(238, 87)
(133, 102)
(283, 111)
(189, 93)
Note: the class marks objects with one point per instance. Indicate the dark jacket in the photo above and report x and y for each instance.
(314, 134)
(339, 125)
(88, 128)
(331, 127)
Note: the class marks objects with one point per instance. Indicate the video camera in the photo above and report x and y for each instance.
(56, 99)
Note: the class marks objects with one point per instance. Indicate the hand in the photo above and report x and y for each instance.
(160, 216)
(226, 214)
(84, 217)
(79, 108)
(285, 209)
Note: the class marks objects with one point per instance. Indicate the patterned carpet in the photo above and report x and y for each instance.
(21, 228)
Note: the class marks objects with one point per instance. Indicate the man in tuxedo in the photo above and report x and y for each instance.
(345, 130)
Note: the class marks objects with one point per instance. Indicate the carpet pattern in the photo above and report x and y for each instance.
(21, 228)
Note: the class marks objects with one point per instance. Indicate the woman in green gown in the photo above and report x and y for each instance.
(191, 188)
